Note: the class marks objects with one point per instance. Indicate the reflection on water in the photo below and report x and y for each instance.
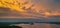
(35, 25)
(39, 25)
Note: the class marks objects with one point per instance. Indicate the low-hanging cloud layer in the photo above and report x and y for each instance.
(29, 8)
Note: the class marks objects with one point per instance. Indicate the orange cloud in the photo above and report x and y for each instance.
(38, 7)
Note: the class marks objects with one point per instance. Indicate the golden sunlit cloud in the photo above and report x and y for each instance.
(12, 4)
(37, 7)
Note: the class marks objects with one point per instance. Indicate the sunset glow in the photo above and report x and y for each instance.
(25, 6)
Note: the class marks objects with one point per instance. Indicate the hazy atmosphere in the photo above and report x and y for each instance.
(30, 13)
(29, 8)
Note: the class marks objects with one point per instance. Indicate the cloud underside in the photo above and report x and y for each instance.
(6, 12)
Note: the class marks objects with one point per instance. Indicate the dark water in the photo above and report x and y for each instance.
(30, 23)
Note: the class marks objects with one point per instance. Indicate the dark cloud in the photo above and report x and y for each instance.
(7, 12)
(4, 11)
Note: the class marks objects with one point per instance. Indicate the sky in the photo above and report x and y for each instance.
(29, 8)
